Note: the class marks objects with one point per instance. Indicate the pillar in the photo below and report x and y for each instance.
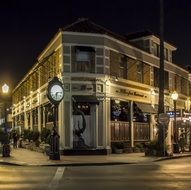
(131, 124)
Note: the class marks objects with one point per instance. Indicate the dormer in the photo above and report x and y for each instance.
(150, 43)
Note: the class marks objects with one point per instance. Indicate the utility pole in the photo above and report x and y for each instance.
(161, 135)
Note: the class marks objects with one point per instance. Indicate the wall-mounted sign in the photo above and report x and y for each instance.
(164, 118)
(171, 113)
(130, 93)
(82, 87)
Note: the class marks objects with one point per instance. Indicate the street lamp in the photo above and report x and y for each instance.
(6, 146)
(174, 96)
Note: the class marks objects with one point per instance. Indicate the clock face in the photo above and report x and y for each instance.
(56, 92)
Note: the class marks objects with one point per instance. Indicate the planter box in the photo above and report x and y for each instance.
(118, 151)
(128, 150)
(150, 152)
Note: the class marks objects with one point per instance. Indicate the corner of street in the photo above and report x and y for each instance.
(24, 157)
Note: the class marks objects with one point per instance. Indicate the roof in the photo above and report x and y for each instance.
(142, 34)
(139, 34)
(86, 26)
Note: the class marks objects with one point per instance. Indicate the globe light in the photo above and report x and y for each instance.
(5, 88)
(174, 95)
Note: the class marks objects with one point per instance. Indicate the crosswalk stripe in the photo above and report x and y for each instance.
(58, 175)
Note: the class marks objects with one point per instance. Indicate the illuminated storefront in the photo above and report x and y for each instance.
(110, 88)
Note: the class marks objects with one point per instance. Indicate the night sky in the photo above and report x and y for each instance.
(27, 26)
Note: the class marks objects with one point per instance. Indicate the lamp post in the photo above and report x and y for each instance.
(174, 96)
(6, 146)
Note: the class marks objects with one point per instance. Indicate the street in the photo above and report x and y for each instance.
(170, 174)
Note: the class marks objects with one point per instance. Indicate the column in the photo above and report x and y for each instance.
(152, 126)
(39, 119)
(131, 124)
(108, 129)
(100, 125)
(31, 118)
(61, 124)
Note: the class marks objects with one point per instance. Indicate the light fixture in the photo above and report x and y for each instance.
(117, 101)
(116, 79)
(153, 92)
(174, 95)
(5, 88)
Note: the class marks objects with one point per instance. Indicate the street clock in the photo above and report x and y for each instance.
(55, 91)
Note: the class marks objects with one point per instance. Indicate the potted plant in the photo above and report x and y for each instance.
(118, 148)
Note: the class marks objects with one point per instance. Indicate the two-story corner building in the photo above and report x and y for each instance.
(111, 79)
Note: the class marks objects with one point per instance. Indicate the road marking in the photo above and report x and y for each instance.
(58, 175)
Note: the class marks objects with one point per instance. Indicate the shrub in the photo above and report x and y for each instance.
(139, 145)
(45, 135)
(31, 135)
(117, 145)
(35, 135)
(152, 145)
(26, 134)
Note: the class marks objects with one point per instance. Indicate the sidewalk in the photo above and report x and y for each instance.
(26, 157)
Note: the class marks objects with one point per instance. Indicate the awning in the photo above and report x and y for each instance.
(146, 108)
(86, 99)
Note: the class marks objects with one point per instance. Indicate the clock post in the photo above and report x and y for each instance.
(55, 94)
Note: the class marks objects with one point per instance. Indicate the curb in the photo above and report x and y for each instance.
(87, 164)
(172, 157)
(69, 164)
(12, 163)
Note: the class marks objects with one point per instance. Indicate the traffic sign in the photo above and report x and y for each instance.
(164, 118)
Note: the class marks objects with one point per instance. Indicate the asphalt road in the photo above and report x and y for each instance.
(172, 174)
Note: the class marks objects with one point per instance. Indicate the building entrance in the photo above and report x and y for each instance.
(84, 126)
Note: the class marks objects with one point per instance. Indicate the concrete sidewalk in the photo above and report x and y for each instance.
(26, 157)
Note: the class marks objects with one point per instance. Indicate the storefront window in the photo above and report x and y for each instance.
(49, 117)
(119, 111)
(35, 117)
(138, 115)
(28, 119)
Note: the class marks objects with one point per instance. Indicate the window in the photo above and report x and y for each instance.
(184, 86)
(35, 117)
(166, 80)
(166, 54)
(170, 55)
(156, 49)
(83, 59)
(123, 66)
(139, 72)
(156, 77)
(49, 115)
(178, 83)
(119, 111)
